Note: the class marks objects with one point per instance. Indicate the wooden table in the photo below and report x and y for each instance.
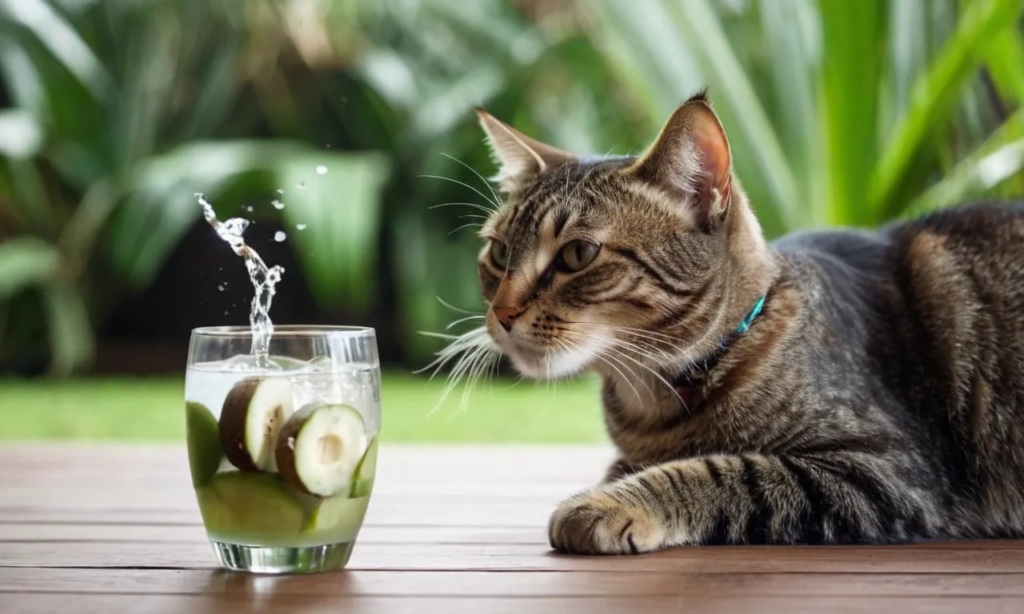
(450, 529)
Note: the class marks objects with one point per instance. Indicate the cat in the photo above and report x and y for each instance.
(836, 386)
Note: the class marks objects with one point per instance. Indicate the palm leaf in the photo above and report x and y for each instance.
(933, 98)
(339, 211)
(793, 38)
(999, 158)
(59, 36)
(852, 65)
(757, 154)
(1005, 62)
(70, 331)
(26, 262)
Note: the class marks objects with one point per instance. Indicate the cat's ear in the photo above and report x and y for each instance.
(691, 159)
(518, 156)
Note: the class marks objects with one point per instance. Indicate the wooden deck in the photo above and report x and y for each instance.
(450, 529)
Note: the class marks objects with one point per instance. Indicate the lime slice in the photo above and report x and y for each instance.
(335, 520)
(361, 488)
(203, 440)
(250, 508)
(366, 470)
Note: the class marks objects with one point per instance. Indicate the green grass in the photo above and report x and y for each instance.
(152, 409)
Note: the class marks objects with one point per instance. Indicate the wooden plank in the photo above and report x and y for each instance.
(509, 584)
(370, 534)
(400, 512)
(461, 463)
(28, 603)
(194, 533)
(518, 557)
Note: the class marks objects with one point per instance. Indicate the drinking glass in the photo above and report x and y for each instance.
(283, 447)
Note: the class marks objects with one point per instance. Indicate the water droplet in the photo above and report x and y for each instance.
(300, 226)
(249, 208)
(225, 313)
(280, 191)
(220, 287)
(279, 236)
(321, 170)
(302, 186)
(220, 268)
(278, 205)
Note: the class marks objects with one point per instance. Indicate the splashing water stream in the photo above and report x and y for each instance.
(264, 279)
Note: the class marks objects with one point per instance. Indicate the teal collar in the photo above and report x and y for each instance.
(747, 321)
(687, 382)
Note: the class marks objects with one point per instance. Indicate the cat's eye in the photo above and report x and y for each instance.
(499, 254)
(576, 255)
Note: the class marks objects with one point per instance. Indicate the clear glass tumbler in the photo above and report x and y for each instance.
(283, 449)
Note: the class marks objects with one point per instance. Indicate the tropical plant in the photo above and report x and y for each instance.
(114, 112)
(840, 113)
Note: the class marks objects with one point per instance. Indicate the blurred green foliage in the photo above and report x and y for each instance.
(114, 112)
(413, 411)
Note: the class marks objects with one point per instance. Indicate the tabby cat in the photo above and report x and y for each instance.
(832, 387)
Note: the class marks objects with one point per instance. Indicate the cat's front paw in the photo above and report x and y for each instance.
(597, 522)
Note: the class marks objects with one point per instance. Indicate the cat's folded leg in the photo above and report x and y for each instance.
(836, 498)
(618, 470)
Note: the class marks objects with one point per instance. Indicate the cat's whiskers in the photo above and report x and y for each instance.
(648, 348)
(464, 370)
(606, 358)
(497, 198)
(464, 226)
(496, 204)
(472, 352)
(457, 309)
(460, 204)
(618, 355)
(656, 375)
(478, 368)
(465, 319)
(631, 329)
(615, 350)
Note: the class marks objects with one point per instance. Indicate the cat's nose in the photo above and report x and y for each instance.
(507, 315)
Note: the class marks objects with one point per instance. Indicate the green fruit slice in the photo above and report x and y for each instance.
(336, 519)
(203, 440)
(253, 414)
(320, 447)
(250, 508)
(366, 471)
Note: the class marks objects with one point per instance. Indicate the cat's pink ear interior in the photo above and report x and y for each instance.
(691, 158)
(519, 157)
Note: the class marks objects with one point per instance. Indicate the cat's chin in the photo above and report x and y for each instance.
(548, 364)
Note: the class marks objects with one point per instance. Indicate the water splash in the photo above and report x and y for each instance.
(264, 279)
(279, 236)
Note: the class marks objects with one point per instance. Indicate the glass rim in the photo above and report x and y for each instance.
(286, 330)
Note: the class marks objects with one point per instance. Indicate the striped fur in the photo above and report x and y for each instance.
(879, 398)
